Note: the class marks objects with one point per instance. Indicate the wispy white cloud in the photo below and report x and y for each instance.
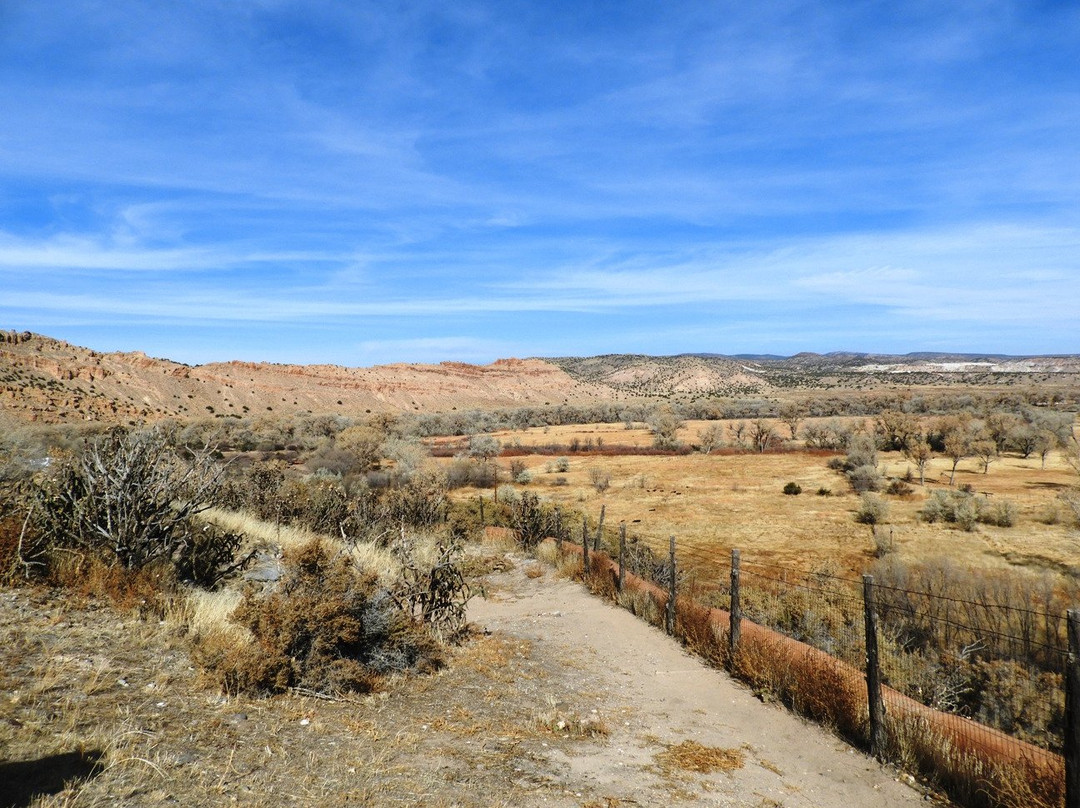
(487, 169)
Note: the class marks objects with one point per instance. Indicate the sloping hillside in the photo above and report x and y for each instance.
(51, 381)
(47, 380)
(692, 375)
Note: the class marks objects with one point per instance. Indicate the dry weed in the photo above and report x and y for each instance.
(695, 757)
(559, 722)
(916, 745)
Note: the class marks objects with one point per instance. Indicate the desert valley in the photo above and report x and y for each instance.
(154, 510)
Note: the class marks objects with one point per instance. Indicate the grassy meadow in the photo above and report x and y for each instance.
(728, 499)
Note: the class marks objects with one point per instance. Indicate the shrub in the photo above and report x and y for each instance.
(966, 513)
(1050, 515)
(1001, 513)
(792, 489)
(327, 629)
(965, 510)
(883, 542)
(898, 488)
(463, 472)
(824, 492)
(130, 499)
(421, 502)
(862, 451)
(432, 587)
(864, 478)
(506, 494)
(600, 479)
(531, 520)
(873, 510)
(211, 555)
(562, 465)
(937, 508)
(334, 460)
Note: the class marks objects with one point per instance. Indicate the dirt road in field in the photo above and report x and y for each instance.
(655, 701)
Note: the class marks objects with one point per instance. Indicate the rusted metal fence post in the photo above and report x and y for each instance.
(735, 621)
(669, 616)
(873, 672)
(1072, 712)
(585, 544)
(622, 556)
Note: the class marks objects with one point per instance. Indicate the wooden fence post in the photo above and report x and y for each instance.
(873, 672)
(1072, 712)
(482, 522)
(558, 528)
(599, 528)
(622, 556)
(669, 616)
(585, 544)
(735, 621)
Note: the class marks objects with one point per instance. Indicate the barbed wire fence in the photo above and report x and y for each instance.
(971, 692)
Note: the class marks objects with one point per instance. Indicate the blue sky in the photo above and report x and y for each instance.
(362, 183)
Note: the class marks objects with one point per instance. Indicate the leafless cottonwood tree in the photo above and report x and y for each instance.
(762, 434)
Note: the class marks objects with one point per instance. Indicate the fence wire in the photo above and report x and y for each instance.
(993, 667)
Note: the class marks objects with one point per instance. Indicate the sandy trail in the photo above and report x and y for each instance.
(651, 695)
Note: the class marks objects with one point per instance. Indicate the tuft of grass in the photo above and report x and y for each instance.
(695, 757)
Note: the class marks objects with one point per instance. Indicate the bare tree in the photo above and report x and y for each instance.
(986, 451)
(918, 451)
(792, 415)
(1000, 427)
(957, 442)
(762, 434)
(894, 429)
(711, 437)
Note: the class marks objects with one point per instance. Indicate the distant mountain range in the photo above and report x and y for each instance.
(48, 380)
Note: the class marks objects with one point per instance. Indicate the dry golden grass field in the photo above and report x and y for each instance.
(713, 503)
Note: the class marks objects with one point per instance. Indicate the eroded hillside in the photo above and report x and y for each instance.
(50, 381)
(47, 380)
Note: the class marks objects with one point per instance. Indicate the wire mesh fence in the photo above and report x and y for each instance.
(973, 669)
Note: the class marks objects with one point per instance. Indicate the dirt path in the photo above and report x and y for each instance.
(652, 696)
(559, 700)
